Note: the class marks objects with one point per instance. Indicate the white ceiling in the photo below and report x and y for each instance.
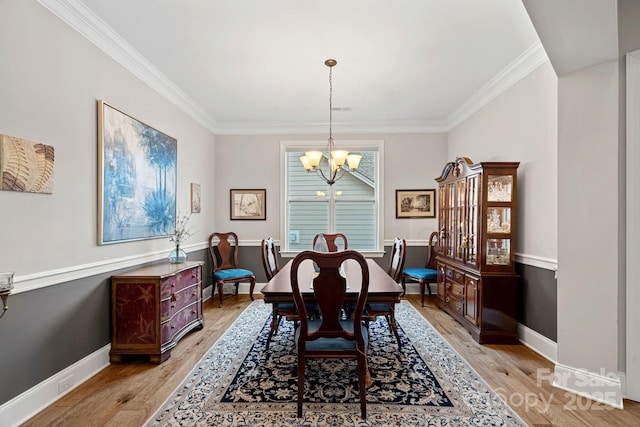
(402, 64)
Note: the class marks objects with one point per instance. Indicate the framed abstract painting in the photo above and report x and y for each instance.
(137, 174)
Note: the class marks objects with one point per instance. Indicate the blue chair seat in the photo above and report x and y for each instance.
(421, 273)
(333, 343)
(379, 307)
(286, 307)
(232, 273)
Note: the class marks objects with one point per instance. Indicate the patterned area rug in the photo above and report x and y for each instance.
(238, 383)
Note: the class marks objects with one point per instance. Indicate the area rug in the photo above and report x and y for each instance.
(239, 383)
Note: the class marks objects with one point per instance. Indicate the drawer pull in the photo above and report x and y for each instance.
(173, 326)
(173, 297)
(448, 285)
(447, 299)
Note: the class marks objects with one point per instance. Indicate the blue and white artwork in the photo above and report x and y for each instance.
(138, 178)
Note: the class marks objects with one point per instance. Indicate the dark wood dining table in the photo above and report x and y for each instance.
(382, 288)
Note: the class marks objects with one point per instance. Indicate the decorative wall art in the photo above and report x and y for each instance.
(249, 204)
(136, 178)
(195, 198)
(26, 165)
(415, 203)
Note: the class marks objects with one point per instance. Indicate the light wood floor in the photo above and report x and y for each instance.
(129, 393)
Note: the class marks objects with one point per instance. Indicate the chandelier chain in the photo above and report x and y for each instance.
(330, 103)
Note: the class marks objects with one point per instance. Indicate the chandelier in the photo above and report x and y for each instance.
(312, 160)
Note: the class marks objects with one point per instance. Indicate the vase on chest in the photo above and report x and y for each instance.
(177, 255)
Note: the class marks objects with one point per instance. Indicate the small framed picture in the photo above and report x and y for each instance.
(195, 198)
(249, 204)
(416, 203)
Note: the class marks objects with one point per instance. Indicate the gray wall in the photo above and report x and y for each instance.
(51, 328)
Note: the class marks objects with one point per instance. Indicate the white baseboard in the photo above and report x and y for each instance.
(605, 388)
(538, 343)
(26, 405)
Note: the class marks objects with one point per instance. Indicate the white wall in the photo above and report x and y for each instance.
(50, 79)
(411, 161)
(521, 125)
(588, 214)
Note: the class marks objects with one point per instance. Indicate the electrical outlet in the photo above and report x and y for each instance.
(65, 384)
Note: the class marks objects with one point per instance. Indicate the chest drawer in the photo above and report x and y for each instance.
(175, 325)
(179, 281)
(179, 300)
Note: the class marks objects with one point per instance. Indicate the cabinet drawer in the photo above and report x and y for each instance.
(179, 281)
(456, 304)
(179, 300)
(455, 275)
(181, 319)
(454, 289)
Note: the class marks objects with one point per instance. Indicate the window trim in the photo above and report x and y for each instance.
(352, 145)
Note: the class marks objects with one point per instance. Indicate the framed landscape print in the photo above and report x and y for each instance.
(416, 203)
(248, 204)
(195, 198)
(136, 178)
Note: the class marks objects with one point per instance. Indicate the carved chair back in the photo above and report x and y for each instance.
(333, 240)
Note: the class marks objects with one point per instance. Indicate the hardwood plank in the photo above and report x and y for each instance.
(129, 393)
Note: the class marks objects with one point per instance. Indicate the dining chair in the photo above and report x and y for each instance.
(424, 275)
(396, 264)
(332, 335)
(270, 264)
(333, 240)
(223, 248)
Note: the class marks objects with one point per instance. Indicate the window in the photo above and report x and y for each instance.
(351, 206)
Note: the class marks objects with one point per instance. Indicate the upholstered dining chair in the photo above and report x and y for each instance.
(396, 264)
(270, 264)
(333, 240)
(223, 248)
(424, 275)
(331, 336)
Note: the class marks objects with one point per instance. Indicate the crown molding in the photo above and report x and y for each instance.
(79, 17)
(255, 128)
(528, 61)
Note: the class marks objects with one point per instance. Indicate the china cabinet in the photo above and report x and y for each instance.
(153, 307)
(477, 282)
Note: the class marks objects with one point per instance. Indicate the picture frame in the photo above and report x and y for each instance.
(195, 198)
(248, 204)
(416, 203)
(137, 178)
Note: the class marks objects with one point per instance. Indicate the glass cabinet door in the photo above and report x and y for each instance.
(461, 221)
(499, 220)
(499, 188)
(498, 251)
(451, 220)
(472, 221)
(442, 222)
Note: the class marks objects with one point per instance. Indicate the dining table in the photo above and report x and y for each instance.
(382, 288)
